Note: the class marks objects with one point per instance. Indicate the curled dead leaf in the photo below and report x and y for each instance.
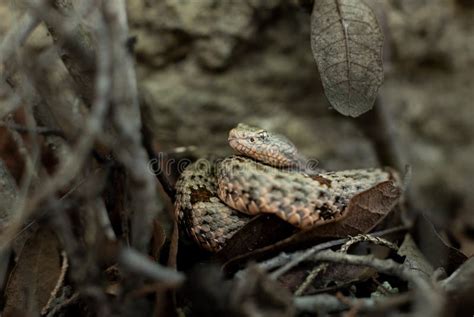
(415, 260)
(436, 248)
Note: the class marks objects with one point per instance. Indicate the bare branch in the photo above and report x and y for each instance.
(324, 303)
(39, 130)
(429, 300)
(127, 121)
(72, 163)
(77, 50)
(138, 263)
(16, 36)
(298, 257)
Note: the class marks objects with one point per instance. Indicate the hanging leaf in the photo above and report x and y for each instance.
(346, 41)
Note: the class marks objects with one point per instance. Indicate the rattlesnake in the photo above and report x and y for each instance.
(215, 197)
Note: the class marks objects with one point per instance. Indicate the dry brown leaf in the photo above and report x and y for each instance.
(415, 260)
(261, 231)
(435, 247)
(346, 41)
(34, 279)
(366, 210)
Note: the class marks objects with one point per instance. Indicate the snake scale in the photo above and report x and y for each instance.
(215, 198)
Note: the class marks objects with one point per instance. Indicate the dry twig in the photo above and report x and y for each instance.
(429, 301)
(126, 119)
(287, 262)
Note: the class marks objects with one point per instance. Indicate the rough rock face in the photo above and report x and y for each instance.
(209, 64)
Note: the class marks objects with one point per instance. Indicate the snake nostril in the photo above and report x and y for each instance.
(234, 195)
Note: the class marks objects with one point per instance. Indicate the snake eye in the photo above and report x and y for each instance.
(252, 140)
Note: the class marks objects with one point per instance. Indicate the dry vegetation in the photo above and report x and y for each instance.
(95, 97)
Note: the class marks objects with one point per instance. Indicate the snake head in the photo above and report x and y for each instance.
(263, 146)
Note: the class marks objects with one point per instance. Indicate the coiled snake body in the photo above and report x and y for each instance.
(214, 199)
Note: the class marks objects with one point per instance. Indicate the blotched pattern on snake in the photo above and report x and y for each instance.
(214, 198)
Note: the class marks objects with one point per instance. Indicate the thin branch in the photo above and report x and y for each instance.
(296, 258)
(17, 36)
(429, 300)
(127, 121)
(156, 160)
(377, 124)
(38, 130)
(324, 303)
(367, 238)
(63, 304)
(77, 51)
(138, 263)
(310, 278)
(344, 248)
(103, 219)
(73, 162)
